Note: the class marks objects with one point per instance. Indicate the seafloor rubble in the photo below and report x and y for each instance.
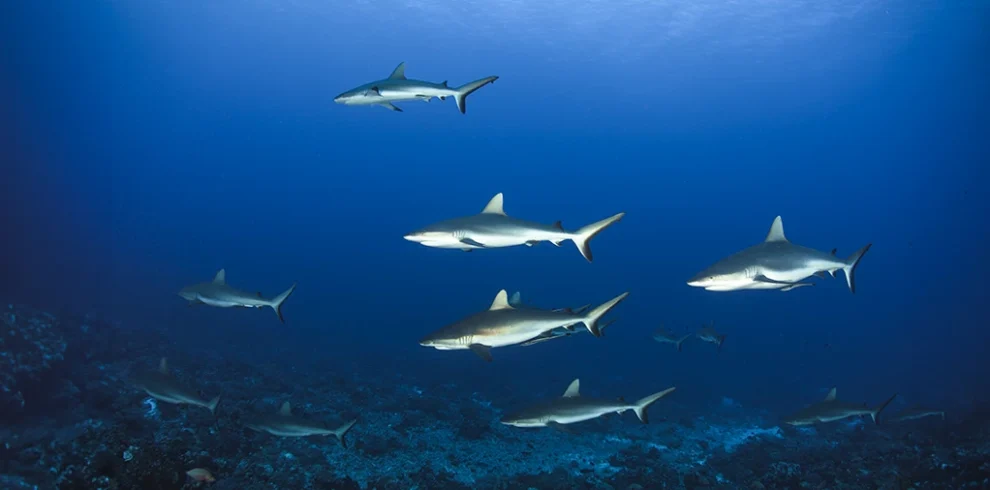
(71, 420)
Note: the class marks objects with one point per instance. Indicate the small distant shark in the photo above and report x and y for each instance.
(162, 386)
(494, 229)
(830, 410)
(775, 264)
(665, 337)
(563, 332)
(708, 334)
(916, 413)
(503, 325)
(398, 88)
(515, 300)
(572, 408)
(284, 424)
(218, 293)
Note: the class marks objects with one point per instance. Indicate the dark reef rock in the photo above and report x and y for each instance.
(30, 346)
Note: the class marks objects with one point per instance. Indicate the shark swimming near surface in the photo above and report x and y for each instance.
(503, 325)
(398, 88)
(572, 408)
(831, 409)
(492, 228)
(775, 264)
(162, 386)
(284, 424)
(218, 293)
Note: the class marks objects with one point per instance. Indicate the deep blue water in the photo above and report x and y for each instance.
(148, 144)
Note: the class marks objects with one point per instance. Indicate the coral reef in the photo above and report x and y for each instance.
(104, 433)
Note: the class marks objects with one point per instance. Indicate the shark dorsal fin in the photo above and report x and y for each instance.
(834, 250)
(286, 409)
(163, 366)
(494, 206)
(399, 73)
(501, 301)
(830, 397)
(573, 389)
(776, 233)
(515, 299)
(558, 225)
(221, 277)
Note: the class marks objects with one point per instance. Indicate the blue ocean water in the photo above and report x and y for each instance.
(150, 144)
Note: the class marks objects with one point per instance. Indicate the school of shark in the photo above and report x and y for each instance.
(775, 263)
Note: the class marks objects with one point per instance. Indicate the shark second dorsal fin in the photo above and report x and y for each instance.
(286, 409)
(501, 301)
(573, 389)
(830, 397)
(515, 299)
(399, 73)
(163, 366)
(494, 206)
(221, 277)
(776, 233)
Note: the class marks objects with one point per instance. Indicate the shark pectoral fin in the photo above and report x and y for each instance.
(195, 302)
(787, 285)
(796, 285)
(473, 243)
(390, 106)
(483, 351)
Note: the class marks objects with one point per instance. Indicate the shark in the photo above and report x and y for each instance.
(503, 325)
(398, 88)
(776, 263)
(493, 228)
(284, 424)
(563, 332)
(916, 413)
(831, 409)
(572, 408)
(162, 386)
(665, 337)
(708, 334)
(218, 293)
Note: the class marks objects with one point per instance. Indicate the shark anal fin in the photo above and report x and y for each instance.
(390, 106)
(473, 243)
(483, 351)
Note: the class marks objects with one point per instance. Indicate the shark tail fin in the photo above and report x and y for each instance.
(277, 302)
(643, 404)
(213, 404)
(876, 413)
(681, 341)
(601, 328)
(721, 340)
(583, 236)
(467, 89)
(850, 268)
(342, 430)
(594, 316)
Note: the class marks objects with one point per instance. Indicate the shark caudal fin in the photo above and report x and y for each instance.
(594, 316)
(876, 413)
(342, 430)
(850, 268)
(276, 303)
(585, 234)
(213, 404)
(681, 341)
(643, 404)
(465, 90)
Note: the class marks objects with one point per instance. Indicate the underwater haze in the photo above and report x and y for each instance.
(149, 144)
